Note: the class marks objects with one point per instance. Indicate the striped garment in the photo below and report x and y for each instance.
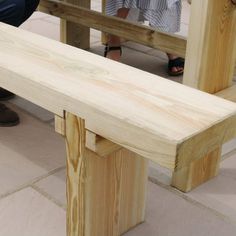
(161, 14)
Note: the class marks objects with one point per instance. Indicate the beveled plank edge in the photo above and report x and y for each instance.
(205, 142)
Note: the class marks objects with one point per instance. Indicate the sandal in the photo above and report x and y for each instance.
(178, 62)
(111, 48)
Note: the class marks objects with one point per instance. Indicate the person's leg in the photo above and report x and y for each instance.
(30, 7)
(114, 41)
(12, 11)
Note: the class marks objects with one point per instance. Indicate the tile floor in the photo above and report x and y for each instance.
(32, 176)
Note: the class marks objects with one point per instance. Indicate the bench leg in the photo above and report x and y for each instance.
(198, 172)
(105, 195)
(209, 66)
(75, 34)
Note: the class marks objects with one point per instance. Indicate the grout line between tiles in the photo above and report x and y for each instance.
(48, 196)
(29, 184)
(228, 154)
(192, 201)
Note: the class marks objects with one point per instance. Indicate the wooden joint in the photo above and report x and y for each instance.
(60, 125)
(100, 145)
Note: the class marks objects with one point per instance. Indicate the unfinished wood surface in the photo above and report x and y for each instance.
(75, 34)
(135, 32)
(105, 196)
(135, 109)
(209, 67)
(60, 125)
(104, 35)
(211, 49)
(197, 172)
(100, 145)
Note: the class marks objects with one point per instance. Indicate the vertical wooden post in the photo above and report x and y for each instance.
(210, 59)
(105, 196)
(104, 36)
(74, 34)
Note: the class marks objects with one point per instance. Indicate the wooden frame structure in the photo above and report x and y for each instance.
(210, 32)
(112, 124)
(106, 177)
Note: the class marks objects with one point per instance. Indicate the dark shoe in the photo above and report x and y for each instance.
(5, 95)
(178, 62)
(110, 48)
(8, 117)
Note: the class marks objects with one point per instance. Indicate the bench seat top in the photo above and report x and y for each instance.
(157, 118)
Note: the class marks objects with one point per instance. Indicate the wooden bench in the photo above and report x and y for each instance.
(114, 119)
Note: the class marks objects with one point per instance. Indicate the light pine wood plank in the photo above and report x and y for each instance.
(106, 196)
(75, 34)
(157, 115)
(210, 61)
(60, 126)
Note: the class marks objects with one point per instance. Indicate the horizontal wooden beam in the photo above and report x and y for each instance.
(135, 32)
(101, 146)
(153, 117)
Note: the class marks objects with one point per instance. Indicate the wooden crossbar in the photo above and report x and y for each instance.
(131, 31)
(151, 37)
(166, 122)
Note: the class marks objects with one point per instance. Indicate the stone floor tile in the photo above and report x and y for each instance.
(170, 215)
(95, 33)
(228, 166)
(33, 109)
(229, 147)
(28, 151)
(54, 186)
(27, 213)
(42, 27)
(218, 194)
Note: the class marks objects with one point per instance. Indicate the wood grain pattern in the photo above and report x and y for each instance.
(76, 175)
(100, 145)
(60, 126)
(106, 196)
(137, 110)
(209, 66)
(211, 49)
